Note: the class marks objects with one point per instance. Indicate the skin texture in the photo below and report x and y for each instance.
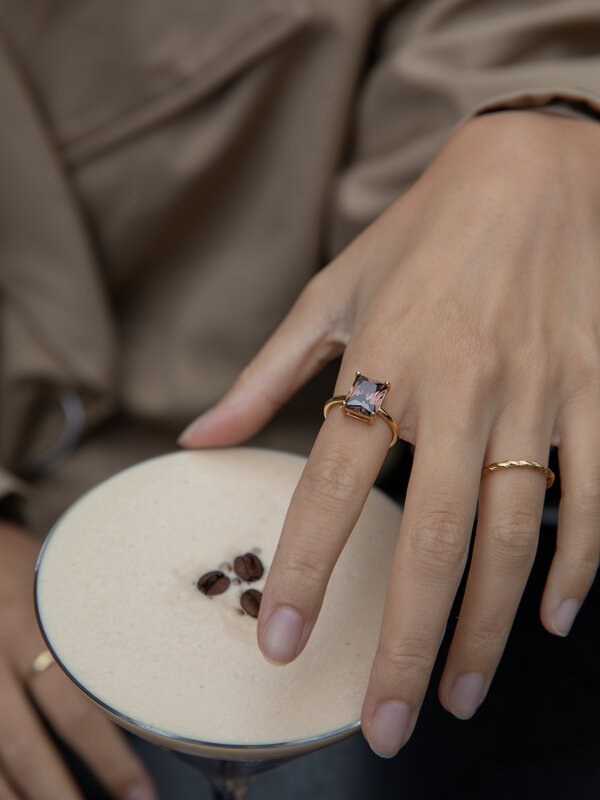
(477, 295)
(31, 767)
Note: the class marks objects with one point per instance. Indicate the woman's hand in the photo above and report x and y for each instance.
(31, 767)
(477, 295)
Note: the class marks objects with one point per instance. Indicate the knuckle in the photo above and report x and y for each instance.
(439, 538)
(270, 398)
(585, 359)
(580, 561)
(333, 322)
(478, 361)
(312, 293)
(471, 355)
(303, 570)
(334, 480)
(410, 657)
(514, 536)
(486, 637)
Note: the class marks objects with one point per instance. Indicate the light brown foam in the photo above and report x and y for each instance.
(118, 601)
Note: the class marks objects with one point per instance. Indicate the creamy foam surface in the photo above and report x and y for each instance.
(118, 601)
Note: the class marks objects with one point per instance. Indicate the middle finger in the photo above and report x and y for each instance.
(426, 572)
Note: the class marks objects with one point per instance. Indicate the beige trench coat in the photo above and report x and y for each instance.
(173, 172)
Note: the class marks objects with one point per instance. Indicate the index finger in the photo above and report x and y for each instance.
(326, 504)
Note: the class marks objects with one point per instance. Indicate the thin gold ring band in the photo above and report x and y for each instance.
(40, 664)
(340, 399)
(521, 464)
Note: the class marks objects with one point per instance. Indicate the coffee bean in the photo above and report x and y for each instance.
(248, 567)
(250, 602)
(213, 583)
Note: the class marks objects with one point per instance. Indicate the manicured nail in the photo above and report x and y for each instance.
(389, 728)
(194, 427)
(281, 636)
(140, 791)
(565, 616)
(466, 695)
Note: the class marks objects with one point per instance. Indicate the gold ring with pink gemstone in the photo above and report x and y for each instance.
(363, 402)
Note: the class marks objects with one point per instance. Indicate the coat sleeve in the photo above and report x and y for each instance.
(56, 337)
(437, 63)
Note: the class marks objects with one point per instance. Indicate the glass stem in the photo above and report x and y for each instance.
(230, 790)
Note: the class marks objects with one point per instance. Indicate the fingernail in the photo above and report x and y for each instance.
(281, 636)
(389, 728)
(194, 427)
(140, 792)
(466, 695)
(565, 616)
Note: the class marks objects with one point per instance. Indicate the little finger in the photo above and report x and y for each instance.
(575, 563)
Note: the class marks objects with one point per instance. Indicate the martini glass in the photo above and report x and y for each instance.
(119, 613)
(229, 769)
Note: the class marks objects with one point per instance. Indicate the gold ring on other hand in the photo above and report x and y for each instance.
(40, 664)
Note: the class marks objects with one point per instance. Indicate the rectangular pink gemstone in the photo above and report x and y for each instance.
(365, 397)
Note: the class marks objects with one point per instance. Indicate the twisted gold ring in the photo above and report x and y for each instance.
(363, 402)
(521, 464)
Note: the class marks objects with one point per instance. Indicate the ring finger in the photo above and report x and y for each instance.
(510, 510)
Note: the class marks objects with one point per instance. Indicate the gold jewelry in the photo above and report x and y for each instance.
(522, 464)
(40, 664)
(363, 402)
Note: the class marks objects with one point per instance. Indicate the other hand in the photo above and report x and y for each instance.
(31, 767)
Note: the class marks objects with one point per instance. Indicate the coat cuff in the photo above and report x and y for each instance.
(562, 102)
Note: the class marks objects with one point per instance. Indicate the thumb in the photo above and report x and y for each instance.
(316, 330)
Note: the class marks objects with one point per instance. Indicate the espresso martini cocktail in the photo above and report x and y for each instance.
(147, 592)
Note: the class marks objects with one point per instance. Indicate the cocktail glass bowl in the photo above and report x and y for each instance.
(117, 601)
(229, 768)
